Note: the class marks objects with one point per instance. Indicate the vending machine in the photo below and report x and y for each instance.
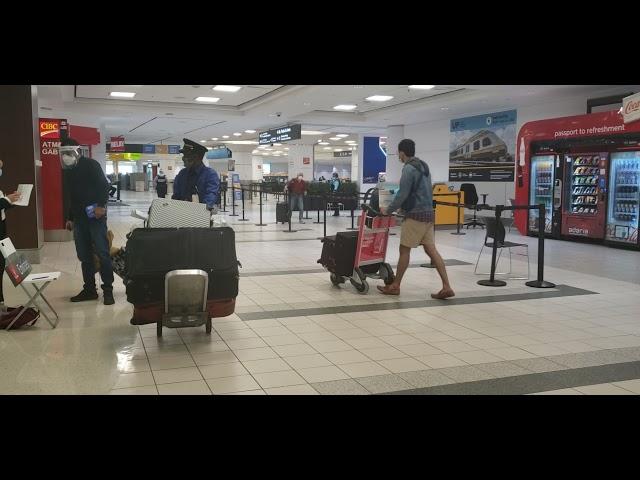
(624, 199)
(585, 195)
(542, 190)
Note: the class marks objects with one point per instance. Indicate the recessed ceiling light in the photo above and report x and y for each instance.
(379, 98)
(421, 87)
(207, 99)
(215, 139)
(323, 143)
(312, 132)
(123, 94)
(226, 88)
(225, 136)
(286, 148)
(327, 148)
(444, 108)
(383, 143)
(335, 139)
(203, 141)
(384, 138)
(237, 134)
(342, 135)
(337, 150)
(249, 131)
(350, 141)
(278, 144)
(345, 107)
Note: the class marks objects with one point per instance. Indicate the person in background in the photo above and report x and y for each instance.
(5, 202)
(112, 187)
(196, 182)
(160, 184)
(87, 190)
(297, 189)
(335, 186)
(415, 198)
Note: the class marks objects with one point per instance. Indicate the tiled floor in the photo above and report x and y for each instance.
(365, 344)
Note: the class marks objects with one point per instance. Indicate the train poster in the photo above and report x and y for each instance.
(482, 148)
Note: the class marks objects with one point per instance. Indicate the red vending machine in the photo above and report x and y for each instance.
(594, 188)
(585, 195)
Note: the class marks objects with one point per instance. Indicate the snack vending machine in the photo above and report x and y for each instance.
(585, 195)
(624, 198)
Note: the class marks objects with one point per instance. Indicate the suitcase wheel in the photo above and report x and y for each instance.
(336, 279)
(159, 329)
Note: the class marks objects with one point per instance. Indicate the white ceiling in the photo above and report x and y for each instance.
(158, 115)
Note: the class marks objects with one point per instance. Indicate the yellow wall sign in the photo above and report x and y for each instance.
(132, 157)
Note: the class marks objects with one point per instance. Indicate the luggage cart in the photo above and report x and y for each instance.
(185, 303)
(368, 259)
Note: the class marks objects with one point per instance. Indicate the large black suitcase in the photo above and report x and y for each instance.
(282, 212)
(152, 252)
(339, 253)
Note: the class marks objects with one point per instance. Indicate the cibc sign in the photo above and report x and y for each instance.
(631, 108)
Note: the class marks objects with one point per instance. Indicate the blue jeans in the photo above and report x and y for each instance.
(90, 236)
(296, 199)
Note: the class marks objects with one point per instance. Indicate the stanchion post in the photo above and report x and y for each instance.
(288, 202)
(458, 232)
(243, 219)
(492, 282)
(354, 199)
(261, 224)
(540, 282)
(233, 201)
(318, 221)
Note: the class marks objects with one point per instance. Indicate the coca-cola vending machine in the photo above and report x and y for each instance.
(585, 195)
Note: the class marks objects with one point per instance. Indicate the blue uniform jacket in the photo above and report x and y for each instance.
(207, 186)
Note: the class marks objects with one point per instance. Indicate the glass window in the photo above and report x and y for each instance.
(466, 149)
(476, 145)
(109, 168)
(486, 141)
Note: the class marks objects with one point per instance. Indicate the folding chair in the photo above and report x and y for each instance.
(19, 270)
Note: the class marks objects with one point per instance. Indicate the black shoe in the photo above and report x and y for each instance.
(84, 296)
(108, 298)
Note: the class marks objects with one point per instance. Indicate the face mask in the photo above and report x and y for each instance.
(300, 177)
(69, 160)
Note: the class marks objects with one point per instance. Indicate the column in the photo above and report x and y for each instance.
(395, 133)
(297, 155)
(20, 151)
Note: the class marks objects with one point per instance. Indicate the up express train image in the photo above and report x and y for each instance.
(484, 147)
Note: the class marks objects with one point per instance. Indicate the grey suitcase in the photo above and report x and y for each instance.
(165, 213)
(185, 303)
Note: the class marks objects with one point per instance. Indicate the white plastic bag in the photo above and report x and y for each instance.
(219, 220)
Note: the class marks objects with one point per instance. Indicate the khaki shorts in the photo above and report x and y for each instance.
(416, 233)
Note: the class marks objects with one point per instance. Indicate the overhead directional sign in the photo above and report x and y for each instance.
(281, 134)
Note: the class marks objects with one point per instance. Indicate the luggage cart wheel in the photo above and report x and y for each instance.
(208, 326)
(336, 279)
(362, 288)
(159, 329)
(386, 273)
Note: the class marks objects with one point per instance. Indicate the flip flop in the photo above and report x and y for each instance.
(441, 295)
(386, 291)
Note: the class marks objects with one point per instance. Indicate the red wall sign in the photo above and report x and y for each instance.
(117, 144)
(52, 215)
(306, 160)
(49, 129)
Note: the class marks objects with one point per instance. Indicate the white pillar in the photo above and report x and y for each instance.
(99, 152)
(395, 133)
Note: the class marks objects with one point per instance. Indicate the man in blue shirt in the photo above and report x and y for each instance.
(196, 180)
(415, 199)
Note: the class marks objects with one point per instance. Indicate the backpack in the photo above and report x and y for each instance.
(30, 316)
(410, 203)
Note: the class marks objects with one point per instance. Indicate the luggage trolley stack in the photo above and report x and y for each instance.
(180, 271)
(360, 254)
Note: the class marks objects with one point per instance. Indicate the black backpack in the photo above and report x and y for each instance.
(410, 203)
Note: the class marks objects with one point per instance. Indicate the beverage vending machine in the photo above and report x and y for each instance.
(624, 198)
(542, 191)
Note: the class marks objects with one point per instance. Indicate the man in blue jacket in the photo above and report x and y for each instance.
(415, 199)
(196, 182)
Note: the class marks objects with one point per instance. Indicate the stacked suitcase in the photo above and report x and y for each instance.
(185, 243)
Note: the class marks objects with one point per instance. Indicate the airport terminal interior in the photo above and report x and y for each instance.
(557, 313)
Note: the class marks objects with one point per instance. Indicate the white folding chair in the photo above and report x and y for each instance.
(19, 271)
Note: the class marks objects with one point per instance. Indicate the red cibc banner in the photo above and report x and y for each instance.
(51, 131)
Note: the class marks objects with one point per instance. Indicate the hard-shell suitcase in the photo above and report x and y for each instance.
(166, 213)
(282, 212)
(152, 252)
